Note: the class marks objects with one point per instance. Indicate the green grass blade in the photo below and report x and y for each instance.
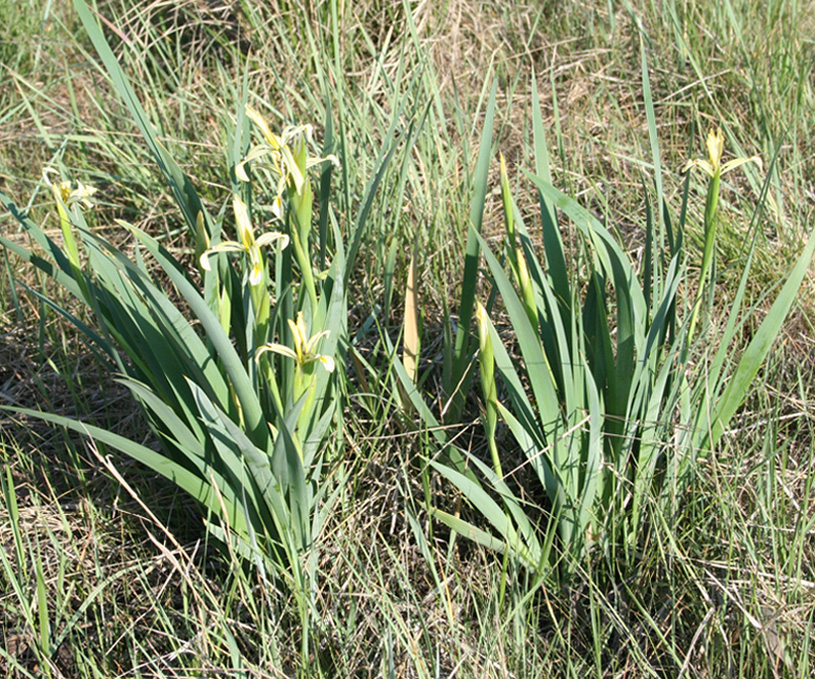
(650, 116)
(182, 189)
(476, 494)
(462, 353)
(470, 531)
(552, 242)
(759, 347)
(176, 429)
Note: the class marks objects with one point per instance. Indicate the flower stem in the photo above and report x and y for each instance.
(711, 205)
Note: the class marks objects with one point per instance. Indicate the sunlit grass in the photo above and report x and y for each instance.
(97, 584)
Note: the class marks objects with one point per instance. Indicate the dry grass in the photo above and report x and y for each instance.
(155, 599)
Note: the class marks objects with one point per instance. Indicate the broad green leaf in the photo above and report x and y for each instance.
(470, 531)
(552, 242)
(244, 389)
(537, 365)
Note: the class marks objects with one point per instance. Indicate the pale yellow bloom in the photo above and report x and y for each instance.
(715, 150)
(80, 195)
(276, 153)
(247, 243)
(305, 347)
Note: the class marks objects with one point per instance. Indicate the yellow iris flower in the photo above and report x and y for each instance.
(278, 156)
(715, 149)
(305, 347)
(247, 244)
(63, 190)
(714, 168)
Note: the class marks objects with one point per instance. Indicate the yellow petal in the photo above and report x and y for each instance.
(292, 131)
(256, 274)
(701, 164)
(271, 237)
(277, 207)
(299, 334)
(271, 138)
(311, 345)
(243, 222)
(240, 172)
(715, 147)
(281, 349)
(330, 158)
(733, 164)
(225, 246)
(327, 361)
(256, 262)
(64, 189)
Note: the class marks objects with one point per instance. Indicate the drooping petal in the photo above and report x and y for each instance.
(240, 172)
(281, 349)
(292, 170)
(255, 153)
(272, 237)
(701, 164)
(737, 162)
(292, 131)
(312, 343)
(225, 246)
(327, 362)
(271, 138)
(330, 158)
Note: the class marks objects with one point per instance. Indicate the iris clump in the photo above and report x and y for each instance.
(602, 396)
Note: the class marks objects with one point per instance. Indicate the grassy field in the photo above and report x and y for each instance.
(476, 377)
